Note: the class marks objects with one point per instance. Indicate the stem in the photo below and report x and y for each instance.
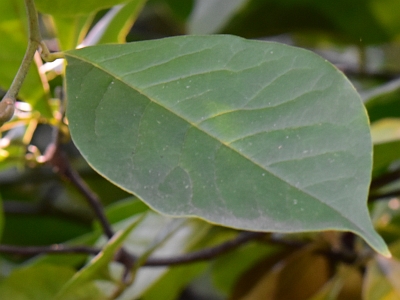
(200, 255)
(207, 253)
(33, 44)
(53, 249)
(196, 256)
(62, 166)
(7, 104)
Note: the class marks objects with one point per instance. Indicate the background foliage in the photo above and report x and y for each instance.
(41, 207)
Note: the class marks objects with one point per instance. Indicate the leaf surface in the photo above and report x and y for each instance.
(246, 134)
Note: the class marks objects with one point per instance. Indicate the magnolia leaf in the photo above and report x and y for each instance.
(247, 134)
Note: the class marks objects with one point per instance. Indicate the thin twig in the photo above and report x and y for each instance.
(8, 102)
(33, 44)
(62, 166)
(207, 253)
(200, 255)
(196, 256)
(53, 249)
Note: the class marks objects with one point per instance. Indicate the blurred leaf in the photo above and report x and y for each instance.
(385, 130)
(100, 261)
(352, 283)
(1, 217)
(387, 225)
(125, 209)
(13, 33)
(39, 282)
(74, 7)
(384, 106)
(345, 285)
(122, 22)
(386, 138)
(207, 121)
(227, 269)
(171, 284)
(209, 16)
(330, 290)
(395, 249)
(12, 156)
(40, 229)
(353, 21)
(384, 155)
(71, 30)
(143, 237)
(180, 8)
(382, 279)
(298, 276)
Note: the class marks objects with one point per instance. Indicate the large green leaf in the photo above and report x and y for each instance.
(247, 134)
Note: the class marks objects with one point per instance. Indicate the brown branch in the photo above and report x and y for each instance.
(201, 255)
(53, 249)
(62, 166)
(196, 256)
(207, 253)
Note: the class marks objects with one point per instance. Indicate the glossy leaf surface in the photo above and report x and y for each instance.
(246, 134)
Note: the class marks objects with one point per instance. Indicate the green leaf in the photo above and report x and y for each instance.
(386, 139)
(144, 237)
(72, 29)
(101, 260)
(382, 279)
(1, 216)
(385, 130)
(181, 276)
(122, 22)
(39, 282)
(246, 134)
(298, 276)
(209, 16)
(74, 7)
(355, 21)
(227, 269)
(383, 104)
(125, 208)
